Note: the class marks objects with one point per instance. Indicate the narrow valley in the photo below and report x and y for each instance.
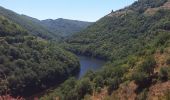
(122, 55)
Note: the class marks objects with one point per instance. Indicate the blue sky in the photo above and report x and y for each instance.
(85, 10)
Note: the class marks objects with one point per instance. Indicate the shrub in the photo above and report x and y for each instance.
(148, 65)
(20, 63)
(162, 39)
(143, 95)
(84, 87)
(164, 73)
(99, 81)
(139, 77)
(113, 84)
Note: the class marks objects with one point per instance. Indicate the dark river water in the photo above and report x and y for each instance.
(86, 64)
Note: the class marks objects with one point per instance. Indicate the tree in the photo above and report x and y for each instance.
(14, 53)
(140, 77)
(84, 87)
(20, 63)
(148, 65)
(113, 84)
(143, 72)
(164, 73)
(99, 81)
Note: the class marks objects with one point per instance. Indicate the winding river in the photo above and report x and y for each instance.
(89, 63)
(86, 64)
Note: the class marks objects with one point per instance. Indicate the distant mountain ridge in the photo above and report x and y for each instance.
(65, 27)
(62, 27)
(47, 29)
(31, 26)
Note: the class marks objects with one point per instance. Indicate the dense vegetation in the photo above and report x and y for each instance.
(142, 5)
(135, 44)
(29, 64)
(65, 27)
(130, 40)
(31, 25)
(117, 37)
(47, 29)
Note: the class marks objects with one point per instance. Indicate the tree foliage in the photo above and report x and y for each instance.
(31, 63)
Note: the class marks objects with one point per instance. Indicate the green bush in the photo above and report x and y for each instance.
(143, 95)
(84, 87)
(164, 73)
(148, 65)
(140, 77)
(113, 84)
(32, 64)
(99, 81)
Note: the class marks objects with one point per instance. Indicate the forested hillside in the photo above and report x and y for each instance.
(29, 64)
(123, 32)
(47, 29)
(65, 27)
(60, 27)
(136, 42)
(33, 27)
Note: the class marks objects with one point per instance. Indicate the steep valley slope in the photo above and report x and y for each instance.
(136, 43)
(46, 29)
(29, 64)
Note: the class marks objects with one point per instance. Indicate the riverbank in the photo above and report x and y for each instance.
(86, 64)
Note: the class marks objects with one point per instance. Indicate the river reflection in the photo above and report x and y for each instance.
(89, 63)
